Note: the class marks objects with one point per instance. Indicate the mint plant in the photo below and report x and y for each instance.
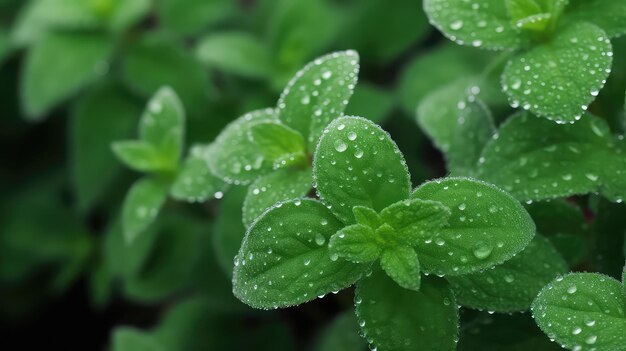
(271, 148)
(158, 152)
(562, 51)
(304, 248)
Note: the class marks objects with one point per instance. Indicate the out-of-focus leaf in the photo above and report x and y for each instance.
(60, 65)
(564, 224)
(142, 205)
(608, 237)
(341, 334)
(235, 52)
(195, 182)
(154, 62)
(131, 339)
(189, 17)
(229, 229)
(371, 102)
(101, 116)
(436, 68)
(126, 13)
(381, 32)
(4, 44)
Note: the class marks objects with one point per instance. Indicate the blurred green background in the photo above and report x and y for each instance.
(75, 76)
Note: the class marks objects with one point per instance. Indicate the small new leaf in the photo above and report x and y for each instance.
(413, 220)
(318, 94)
(356, 243)
(276, 140)
(394, 318)
(140, 156)
(357, 164)
(401, 264)
(366, 216)
(284, 259)
(163, 125)
(583, 311)
(486, 227)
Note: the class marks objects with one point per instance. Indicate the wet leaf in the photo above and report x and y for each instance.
(357, 164)
(356, 243)
(479, 23)
(459, 124)
(267, 190)
(535, 159)
(486, 227)
(401, 264)
(512, 285)
(319, 93)
(142, 205)
(278, 143)
(283, 262)
(583, 311)
(195, 182)
(394, 318)
(607, 14)
(559, 79)
(236, 158)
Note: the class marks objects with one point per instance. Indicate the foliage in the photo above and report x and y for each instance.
(219, 157)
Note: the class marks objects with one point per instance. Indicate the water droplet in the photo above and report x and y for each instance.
(319, 239)
(340, 146)
(572, 289)
(352, 136)
(482, 251)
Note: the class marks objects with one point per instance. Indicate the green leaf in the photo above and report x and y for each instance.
(536, 159)
(479, 23)
(565, 225)
(131, 339)
(236, 158)
(577, 62)
(413, 219)
(141, 156)
(609, 15)
(459, 124)
(142, 205)
(356, 243)
(372, 101)
(101, 116)
(341, 334)
(366, 216)
(379, 32)
(80, 59)
(189, 17)
(168, 267)
(607, 237)
(127, 13)
(154, 61)
(163, 125)
(512, 285)
(284, 261)
(319, 93)
(267, 190)
(441, 66)
(487, 227)
(401, 264)
(357, 164)
(276, 140)
(583, 311)
(38, 18)
(393, 318)
(229, 229)
(235, 52)
(195, 182)
(499, 332)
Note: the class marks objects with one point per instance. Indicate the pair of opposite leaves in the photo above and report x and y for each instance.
(301, 249)
(564, 57)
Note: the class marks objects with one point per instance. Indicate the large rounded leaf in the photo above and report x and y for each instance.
(357, 164)
(284, 259)
(487, 227)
